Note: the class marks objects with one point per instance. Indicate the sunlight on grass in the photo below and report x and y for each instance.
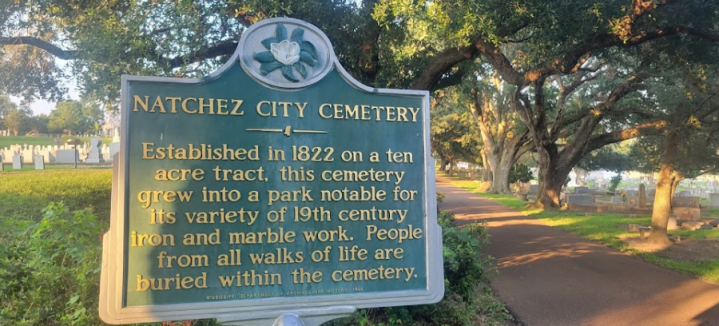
(607, 229)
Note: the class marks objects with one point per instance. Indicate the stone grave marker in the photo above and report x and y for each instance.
(642, 196)
(685, 202)
(533, 189)
(583, 200)
(617, 200)
(2, 166)
(67, 156)
(114, 149)
(686, 208)
(714, 199)
(581, 190)
(39, 161)
(17, 162)
(683, 194)
(94, 156)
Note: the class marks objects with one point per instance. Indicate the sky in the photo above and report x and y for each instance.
(42, 107)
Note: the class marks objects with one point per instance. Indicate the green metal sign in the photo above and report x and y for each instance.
(278, 183)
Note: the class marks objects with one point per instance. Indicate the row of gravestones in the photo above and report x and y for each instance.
(53, 154)
(17, 161)
(68, 156)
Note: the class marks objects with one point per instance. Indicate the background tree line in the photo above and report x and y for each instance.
(68, 117)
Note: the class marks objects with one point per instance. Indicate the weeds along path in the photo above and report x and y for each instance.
(551, 277)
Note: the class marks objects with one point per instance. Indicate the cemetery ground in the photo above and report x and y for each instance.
(547, 276)
(50, 258)
(696, 253)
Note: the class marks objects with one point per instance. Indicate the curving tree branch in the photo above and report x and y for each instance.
(36, 42)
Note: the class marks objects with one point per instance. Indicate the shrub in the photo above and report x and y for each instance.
(520, 173)
(49, 272)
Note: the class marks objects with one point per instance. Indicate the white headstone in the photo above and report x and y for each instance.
(39, 162)
(714, 200)
(17, 162)
(94, 156)
(114, 149)
(67, 156)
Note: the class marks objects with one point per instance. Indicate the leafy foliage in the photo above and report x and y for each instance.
(520, 173)
(50, 270)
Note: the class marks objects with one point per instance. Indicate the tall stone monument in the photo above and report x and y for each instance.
(94, 156)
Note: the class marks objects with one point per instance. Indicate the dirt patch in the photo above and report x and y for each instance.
(689, 250)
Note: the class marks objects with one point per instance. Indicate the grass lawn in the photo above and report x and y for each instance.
(24, 194)
(22, 140)
(605, 228)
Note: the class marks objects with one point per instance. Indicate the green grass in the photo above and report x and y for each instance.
(24, 194)
(605, 228)
(22, 140)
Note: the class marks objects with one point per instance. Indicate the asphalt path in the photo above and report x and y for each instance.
(551, 277)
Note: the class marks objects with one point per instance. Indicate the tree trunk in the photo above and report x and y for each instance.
(443, 164)
(550, 186)
(500, 176)
(486, 173)
(666, 183)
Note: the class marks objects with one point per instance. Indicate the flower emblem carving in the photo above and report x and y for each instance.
(287, 55)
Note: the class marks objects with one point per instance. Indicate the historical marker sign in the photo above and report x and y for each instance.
(277, 184)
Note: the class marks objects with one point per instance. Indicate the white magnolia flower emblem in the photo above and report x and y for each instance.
(287, 55)
(286, 52)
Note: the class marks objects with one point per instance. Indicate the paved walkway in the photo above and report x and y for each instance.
(551, 277)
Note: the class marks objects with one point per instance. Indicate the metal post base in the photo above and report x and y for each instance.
(298, 317)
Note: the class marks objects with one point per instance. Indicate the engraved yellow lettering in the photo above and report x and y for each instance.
(184, 105)
(142, 104)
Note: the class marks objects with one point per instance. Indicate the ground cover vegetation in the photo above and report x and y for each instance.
(609, 229)
(51, 226)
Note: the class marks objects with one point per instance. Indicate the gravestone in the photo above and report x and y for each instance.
(685, 202)
(67, 156)
(617, 200)
(114, 149)
(17, 162)
(642, 196)
(683, 194)
(583, 200)
(94, 156)
(714, 200)
(2, 167)
(533, 189)
(686, 208)
(39, 161)
(581, 190)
